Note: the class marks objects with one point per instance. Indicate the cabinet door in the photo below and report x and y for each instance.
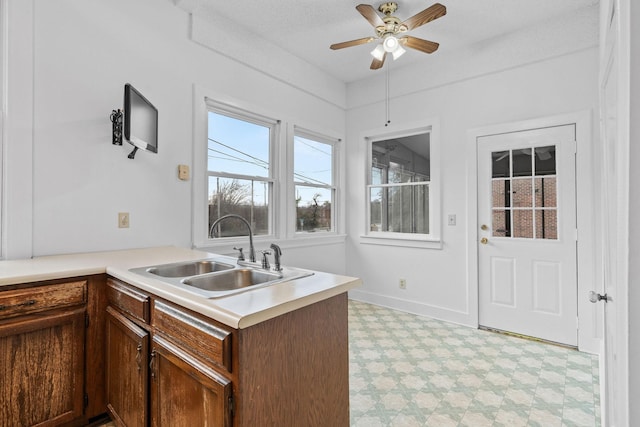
(126, 366)
(42, 369)
(185, 392)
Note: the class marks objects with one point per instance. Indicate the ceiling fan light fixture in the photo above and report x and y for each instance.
(390, 44)
(398, 52)
(378, 52)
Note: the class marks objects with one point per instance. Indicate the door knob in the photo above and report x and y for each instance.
(484, 240)
(484, 227)
(595, 297)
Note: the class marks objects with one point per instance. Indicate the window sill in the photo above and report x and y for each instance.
(395, 240)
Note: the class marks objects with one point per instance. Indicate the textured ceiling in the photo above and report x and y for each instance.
(306, 28)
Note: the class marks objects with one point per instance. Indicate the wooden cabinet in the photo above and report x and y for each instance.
(176, 380)
(184, 391)
(42, 338)
(126, 366)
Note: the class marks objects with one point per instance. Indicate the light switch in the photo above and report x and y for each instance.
(183, 172)
(451, 220)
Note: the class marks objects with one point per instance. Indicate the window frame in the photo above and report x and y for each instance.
(335, 144)
(432, 240)
(273, 126)
(283, 191)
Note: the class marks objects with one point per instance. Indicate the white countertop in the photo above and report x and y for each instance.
(237, 311)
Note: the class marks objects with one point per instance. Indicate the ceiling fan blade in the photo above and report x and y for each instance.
(370, 14)
(429, 14)
(357, 42)
(419, 44)
(377, 64)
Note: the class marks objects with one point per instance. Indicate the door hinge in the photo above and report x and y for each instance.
(86, 400)
(86, 320)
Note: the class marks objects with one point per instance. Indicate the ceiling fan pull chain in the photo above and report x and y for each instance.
(387, 98)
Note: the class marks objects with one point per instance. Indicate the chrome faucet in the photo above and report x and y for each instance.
(252, 252)
(277, 253)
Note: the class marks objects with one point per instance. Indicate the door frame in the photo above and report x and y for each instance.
(589, 325)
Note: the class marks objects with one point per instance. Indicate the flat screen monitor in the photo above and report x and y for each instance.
(140, 120)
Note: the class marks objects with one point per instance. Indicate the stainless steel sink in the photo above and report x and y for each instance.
(218, 277)
(190, 268)
(232, 279)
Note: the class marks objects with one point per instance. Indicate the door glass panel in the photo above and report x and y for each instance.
(500, 164)
(500, 193)
(522, 164)
(501, 223)
(522, 192)
(545, 160)
(546, 192)
(523, 223)
(546, 224)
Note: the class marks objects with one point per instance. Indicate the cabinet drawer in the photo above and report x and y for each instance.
(40, 298)
(202, 338)
(128, 300)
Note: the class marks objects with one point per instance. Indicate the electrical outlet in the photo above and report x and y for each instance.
(123, 219)
(183, 172)
(403, 284)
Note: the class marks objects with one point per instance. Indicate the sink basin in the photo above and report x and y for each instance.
(232, 279)
(190, 268)
(218, 277)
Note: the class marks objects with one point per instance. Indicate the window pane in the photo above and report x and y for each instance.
(312, 161)
(546, 224)
(500, 164)
(522, 163)
(523, 223)
(546, 192)
(522, 192)
(401, 208)
(408, 209)
(247, 198)
(501, 193)
(377, 175)
(546, 160)
(313, 208)
(237, 146)
(501, 223)
(376, 197)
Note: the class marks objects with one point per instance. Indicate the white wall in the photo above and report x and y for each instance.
(69, 69)
(634, 213)
(437, 282)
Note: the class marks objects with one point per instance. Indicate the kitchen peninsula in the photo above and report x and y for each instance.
(102, 338)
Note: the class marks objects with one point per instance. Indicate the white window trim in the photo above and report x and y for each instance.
(336, 205)
(427, 241)
(205, 101)
(283, 224)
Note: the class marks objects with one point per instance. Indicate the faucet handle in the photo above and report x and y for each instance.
(265, 260)
(240, 253)
(277, 253)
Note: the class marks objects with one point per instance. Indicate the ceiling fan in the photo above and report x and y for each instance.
(389, 27)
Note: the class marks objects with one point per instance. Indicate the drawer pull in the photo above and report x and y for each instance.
(139, 356)
(20, 304)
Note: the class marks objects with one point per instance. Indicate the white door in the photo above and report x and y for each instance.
(527, 238)
(615, 187)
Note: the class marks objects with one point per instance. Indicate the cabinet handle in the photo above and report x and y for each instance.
(151, 364)
(20, 304)
(139, 356)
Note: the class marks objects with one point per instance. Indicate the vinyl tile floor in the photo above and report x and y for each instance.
(408, 370)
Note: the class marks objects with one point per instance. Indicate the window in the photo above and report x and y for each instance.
(284, 180)
(402, 189)
(313, 178)
(524, 193)
(239, 169)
